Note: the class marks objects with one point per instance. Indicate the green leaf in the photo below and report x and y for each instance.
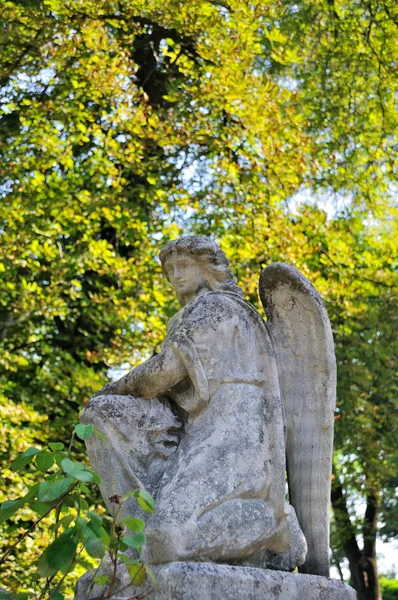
(32, 492)
(152, 577)
(105, 539)
(81, 560)
(102, 579)
(95, 522)
(135, 541)
(96, 477)
(59, 457)
(55, 446)
(9, 507)
(92, 543)
(82, 503)
(71, 501)
(84, 431)
(137, 573)
(134, 524)
(44, 461)
(77, 470)
(84, 476)
(64, 522)
(40, 508)
(60, 553)
(81, 525)
(131, 494)
(145, 501)
(70, 466)
(49, 491)
(24, 459)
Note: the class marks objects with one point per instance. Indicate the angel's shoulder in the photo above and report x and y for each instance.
(212, 308)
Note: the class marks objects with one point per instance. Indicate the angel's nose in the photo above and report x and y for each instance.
(177, 272)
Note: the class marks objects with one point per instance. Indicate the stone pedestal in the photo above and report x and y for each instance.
(209, 581)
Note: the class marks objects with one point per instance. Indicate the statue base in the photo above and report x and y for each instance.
(210, 581)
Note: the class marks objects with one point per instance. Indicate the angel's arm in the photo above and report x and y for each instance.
(153, 377)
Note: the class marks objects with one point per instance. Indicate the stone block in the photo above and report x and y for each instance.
(210, 581)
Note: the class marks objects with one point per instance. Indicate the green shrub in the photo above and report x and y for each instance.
(389, 588)
(79, 537)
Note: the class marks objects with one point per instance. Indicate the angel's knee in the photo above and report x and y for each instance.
(105, 408)
(230, 530)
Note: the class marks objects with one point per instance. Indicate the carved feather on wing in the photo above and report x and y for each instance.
(302, 338)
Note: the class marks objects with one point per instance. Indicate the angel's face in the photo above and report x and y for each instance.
(185, 276)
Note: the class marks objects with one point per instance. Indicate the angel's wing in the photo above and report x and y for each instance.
(302, 338)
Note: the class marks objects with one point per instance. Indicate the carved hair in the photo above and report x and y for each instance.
(212, 260)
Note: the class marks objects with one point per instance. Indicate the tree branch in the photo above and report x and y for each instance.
(370, 525)
(341, 514)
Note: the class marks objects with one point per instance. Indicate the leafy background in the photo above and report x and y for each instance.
(270, 126)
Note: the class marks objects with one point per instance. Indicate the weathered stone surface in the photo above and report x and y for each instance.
(302, 338)
(138, 437)
(236, 383)
(209, 581)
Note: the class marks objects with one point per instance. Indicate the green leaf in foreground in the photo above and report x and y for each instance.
(77, 470)
(24, 459)
(59, 457)
(84, 431)
(137, 573)
(135, 541)
(55, 446)
(134, 524)
(9, 507)
(49, 491)
(40, 508)
(64, 522)
(93, 543)
(59, 554)
(145, 501)
(95, 522)
(44, 461)
(152, 577)
(102, 579)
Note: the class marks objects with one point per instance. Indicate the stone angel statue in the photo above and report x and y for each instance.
(211, 425)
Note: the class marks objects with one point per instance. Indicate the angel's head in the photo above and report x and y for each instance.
(195, 264)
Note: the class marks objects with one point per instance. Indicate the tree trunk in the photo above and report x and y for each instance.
(362, 563)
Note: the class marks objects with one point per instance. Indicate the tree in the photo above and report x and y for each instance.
(126, 123)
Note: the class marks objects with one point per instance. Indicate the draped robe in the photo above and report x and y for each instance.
(222, 494)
